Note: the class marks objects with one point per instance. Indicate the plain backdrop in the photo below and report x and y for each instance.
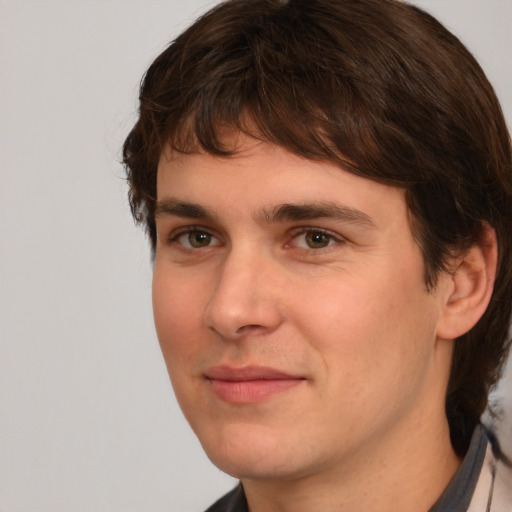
(88, 421)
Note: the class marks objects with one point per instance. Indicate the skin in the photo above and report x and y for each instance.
(330, 292)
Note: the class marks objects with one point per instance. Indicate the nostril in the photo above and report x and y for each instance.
(236, 309)
(251, 327)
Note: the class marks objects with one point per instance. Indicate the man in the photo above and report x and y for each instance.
(327, 187)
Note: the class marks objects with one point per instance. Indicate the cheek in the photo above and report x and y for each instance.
(177, 315)
(369, 328)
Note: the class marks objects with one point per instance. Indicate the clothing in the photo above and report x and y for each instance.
(233, 501)
(483, 483)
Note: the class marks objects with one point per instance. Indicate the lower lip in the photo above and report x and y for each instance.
(251, 391)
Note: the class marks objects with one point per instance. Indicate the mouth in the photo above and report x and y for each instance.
(249, 384)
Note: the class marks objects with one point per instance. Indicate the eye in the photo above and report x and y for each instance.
(314, 239)
(194, 239)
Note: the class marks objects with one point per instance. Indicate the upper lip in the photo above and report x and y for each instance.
(247, 373)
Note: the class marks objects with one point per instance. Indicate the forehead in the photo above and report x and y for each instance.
(260, 176)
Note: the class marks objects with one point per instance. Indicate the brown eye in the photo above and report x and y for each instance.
(317, 239)
(312, 238)
(198, 239)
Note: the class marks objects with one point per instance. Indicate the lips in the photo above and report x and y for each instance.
(249, 384)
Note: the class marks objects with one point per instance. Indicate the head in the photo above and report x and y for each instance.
(376, 87)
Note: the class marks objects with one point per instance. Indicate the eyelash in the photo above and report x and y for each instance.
(306, 230)
(177, 234)
(295, 234)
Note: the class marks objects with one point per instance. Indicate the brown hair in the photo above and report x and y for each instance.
(380, 88)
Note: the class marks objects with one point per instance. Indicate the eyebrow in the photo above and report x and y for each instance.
(174, 207)
(280, 213)
(317, 210)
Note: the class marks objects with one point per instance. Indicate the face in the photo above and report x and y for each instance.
(292, 312)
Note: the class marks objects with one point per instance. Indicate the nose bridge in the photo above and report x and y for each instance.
(244, 297)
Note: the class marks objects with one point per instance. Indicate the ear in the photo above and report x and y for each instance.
(469, 287)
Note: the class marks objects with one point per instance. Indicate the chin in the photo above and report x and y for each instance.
(255, 467)
(246, 452)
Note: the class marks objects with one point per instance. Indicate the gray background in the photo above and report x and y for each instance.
(88, 421)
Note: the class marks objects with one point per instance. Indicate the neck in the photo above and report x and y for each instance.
(402, 470)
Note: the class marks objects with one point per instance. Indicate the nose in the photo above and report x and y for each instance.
(245, 300)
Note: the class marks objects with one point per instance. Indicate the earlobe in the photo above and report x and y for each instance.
(470, 286)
